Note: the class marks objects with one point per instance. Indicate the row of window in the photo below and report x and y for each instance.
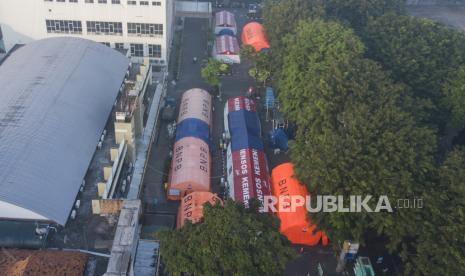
(107, 28)
(137, 50)
(64, 26)
(145, 29)
(142, 3)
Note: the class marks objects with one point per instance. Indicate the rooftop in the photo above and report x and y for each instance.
(57, 95)
(34, 262)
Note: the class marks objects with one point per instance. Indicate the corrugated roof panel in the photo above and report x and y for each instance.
(57, 95)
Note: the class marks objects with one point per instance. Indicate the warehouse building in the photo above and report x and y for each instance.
(57, 96)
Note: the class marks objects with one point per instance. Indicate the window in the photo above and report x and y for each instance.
(132, 2)
(155, 51)
(115, 1)
(105, 28)
(137, 50)
(119, 45)
(145, 29)
(48, 0)
(156, 3)
(89, 1)
(60, 0)
(106, 43)
(102, 1)
(144, 3)
(64, 26)
(73, 1)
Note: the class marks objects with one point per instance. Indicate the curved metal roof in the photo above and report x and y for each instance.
(55, 98)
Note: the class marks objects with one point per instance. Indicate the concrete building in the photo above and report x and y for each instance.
(143, 27)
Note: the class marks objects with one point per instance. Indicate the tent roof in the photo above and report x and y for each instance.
(253, 34)
(295, 225)
(225, 19)
(56, 96)
(226, 44)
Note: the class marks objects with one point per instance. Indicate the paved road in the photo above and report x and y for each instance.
(453, 16)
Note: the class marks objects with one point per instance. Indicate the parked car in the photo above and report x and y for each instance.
(169, 109)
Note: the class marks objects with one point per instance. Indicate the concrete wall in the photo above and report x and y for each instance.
(24, 20)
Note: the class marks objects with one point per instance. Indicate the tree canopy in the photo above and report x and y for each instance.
(357, 12)
(230, 240)
(353, 137)
(420, 53)
(211, 72)
(440, 244)
(454, 96)
(260, 63)
(280, 17)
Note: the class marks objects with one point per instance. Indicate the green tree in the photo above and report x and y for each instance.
(357, 12)
(353, 138)
(419, 53)
(440, 244)
(230, 240)
(261, 64)
(280, 17)
(211, 72)
(454, 96)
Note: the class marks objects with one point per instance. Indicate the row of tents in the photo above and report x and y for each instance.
(247, 168)
(226, 47)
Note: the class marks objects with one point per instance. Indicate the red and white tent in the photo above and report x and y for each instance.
(225, 20)
(226, 49)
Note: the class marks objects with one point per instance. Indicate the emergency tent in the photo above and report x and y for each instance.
(225, 20)
(242, 123)
(247, 175)
(253, 34)
(226, 32)
(191, 207)
(244, 129)
(193, 128)
(196, 103)
(226, 49)
(296, 226)
(278, 139)
(190, 168)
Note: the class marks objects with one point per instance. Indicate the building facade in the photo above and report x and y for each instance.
(143, 27)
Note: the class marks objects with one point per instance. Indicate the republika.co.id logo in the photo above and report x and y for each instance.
(331, 203)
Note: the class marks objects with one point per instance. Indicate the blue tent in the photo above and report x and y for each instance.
(192, 127)
(244, 128)
(278, 139)
(225, 32)
(269, 97)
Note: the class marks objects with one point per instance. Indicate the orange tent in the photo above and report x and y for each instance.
(253, 34)
(190, 168)
(296, 226)
(191, 207)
